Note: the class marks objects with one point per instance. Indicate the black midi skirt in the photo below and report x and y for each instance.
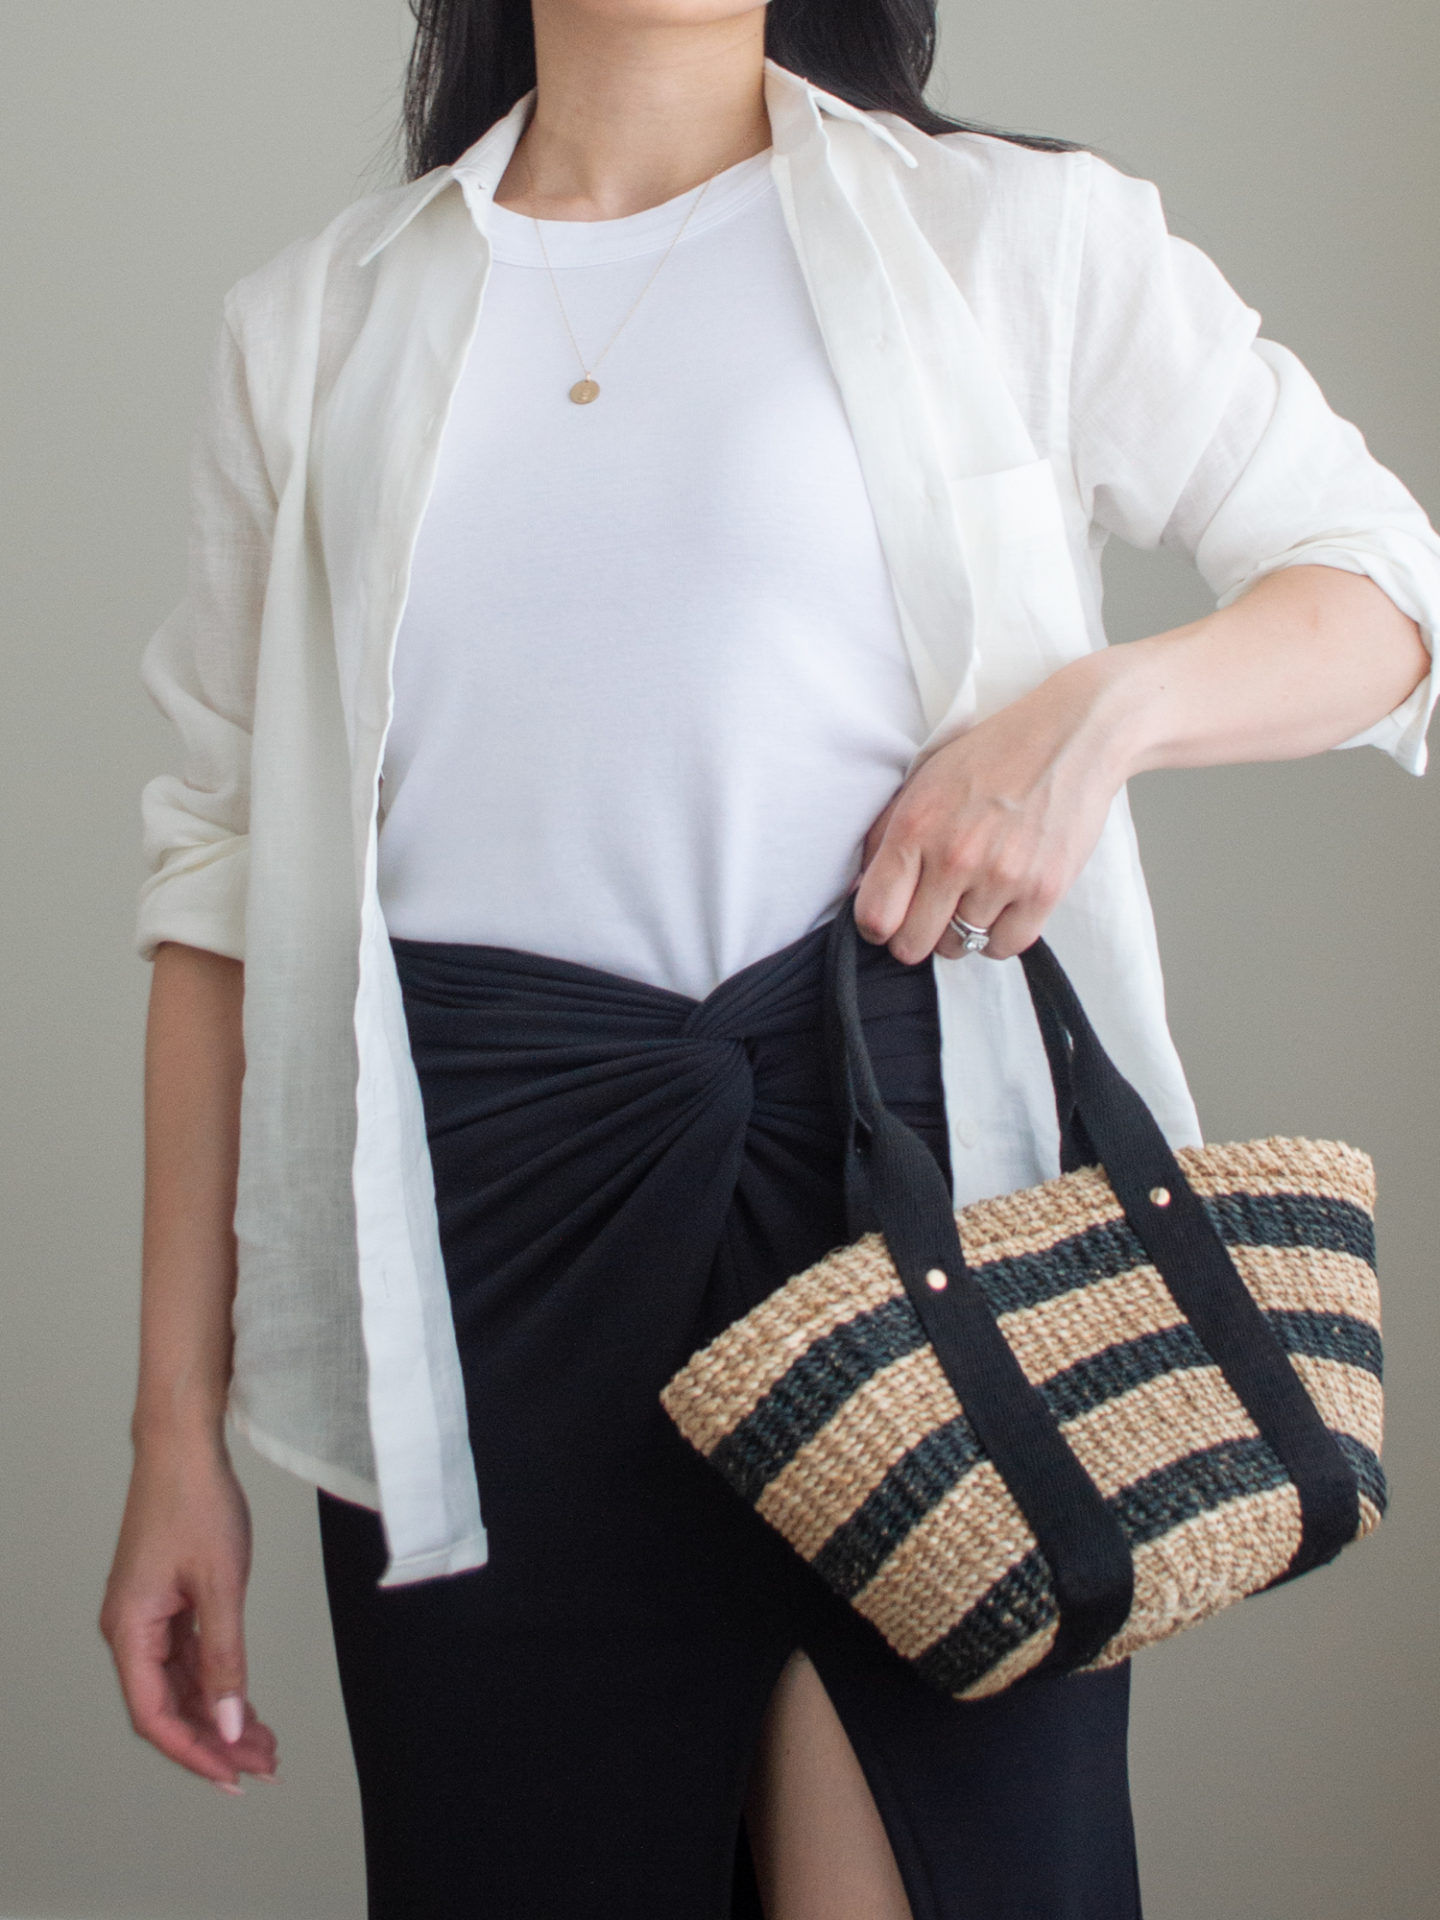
(566, 1732)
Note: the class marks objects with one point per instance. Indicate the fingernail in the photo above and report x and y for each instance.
(230, 1717)
(227, 1786)
(270, 1779)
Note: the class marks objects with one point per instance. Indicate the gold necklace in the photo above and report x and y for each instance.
(587, 388)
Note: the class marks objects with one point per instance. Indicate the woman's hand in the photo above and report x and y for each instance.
(995, 825)
(173, 1612)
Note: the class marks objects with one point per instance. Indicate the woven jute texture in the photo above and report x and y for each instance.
(826, 1408)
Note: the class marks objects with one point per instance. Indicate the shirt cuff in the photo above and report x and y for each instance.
(1409, 573)
(198, 899)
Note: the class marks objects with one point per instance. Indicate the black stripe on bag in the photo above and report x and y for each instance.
(890, 1174)
(913, 1488)
(1112, 1247)
(1021, 1604)
(1022, 1280)
(1367, 1469)
(1200, 1483)
(1293, 1220)
(809, 1394)
(1119, 1369)
(1183, 1243)
(1328, 1336)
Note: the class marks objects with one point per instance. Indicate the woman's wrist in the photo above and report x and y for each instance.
(1117, 699)
(168, 1423)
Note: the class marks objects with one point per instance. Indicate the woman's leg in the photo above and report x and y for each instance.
(820, 1847)
(1013, 1808)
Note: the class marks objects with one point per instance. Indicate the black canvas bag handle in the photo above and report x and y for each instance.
(892, 1182)
(1185, 1247)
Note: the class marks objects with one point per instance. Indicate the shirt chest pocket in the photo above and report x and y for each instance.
(1029, 616)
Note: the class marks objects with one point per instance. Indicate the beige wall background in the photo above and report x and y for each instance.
(1285, 1757)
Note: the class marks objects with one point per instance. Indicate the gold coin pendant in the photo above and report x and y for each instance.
(584, 391)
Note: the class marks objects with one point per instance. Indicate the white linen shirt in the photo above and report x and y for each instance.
(1029, 363)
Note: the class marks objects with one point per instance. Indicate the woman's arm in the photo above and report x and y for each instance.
(173, 1605)
(997, 824)
(1307, 658)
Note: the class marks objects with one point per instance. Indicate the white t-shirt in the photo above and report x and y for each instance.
(650, 685)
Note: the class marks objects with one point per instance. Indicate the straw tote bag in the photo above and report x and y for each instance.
(1074, 1419)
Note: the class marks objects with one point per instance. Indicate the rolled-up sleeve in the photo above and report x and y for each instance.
(200, 670)
(1191, 431)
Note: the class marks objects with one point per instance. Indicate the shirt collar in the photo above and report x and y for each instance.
(795, 106)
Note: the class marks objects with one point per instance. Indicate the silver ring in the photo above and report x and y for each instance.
(972, 939)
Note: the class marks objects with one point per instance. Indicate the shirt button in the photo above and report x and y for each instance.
(966, 1132)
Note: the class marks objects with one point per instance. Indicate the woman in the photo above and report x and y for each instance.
(680, 502)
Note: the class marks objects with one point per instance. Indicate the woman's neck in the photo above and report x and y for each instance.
(630, 113)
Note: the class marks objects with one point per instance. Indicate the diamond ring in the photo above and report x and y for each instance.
(972, 939)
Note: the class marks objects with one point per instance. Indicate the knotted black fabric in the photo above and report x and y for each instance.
(620, 1172)
(578, 1119)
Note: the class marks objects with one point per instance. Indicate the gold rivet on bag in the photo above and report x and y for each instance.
(1159, 1196)
(936, 1280)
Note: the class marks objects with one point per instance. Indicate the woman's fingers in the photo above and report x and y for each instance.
(983, 904)
(908, 896)
(214, 1667)
(160, 1668)
(225, 1721)
(978, 831)
(887, 888)
(150, 1656)
(921, 873)
(1012, 914)
(219, 1658)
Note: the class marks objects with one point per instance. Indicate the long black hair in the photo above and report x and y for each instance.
(473, 59)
